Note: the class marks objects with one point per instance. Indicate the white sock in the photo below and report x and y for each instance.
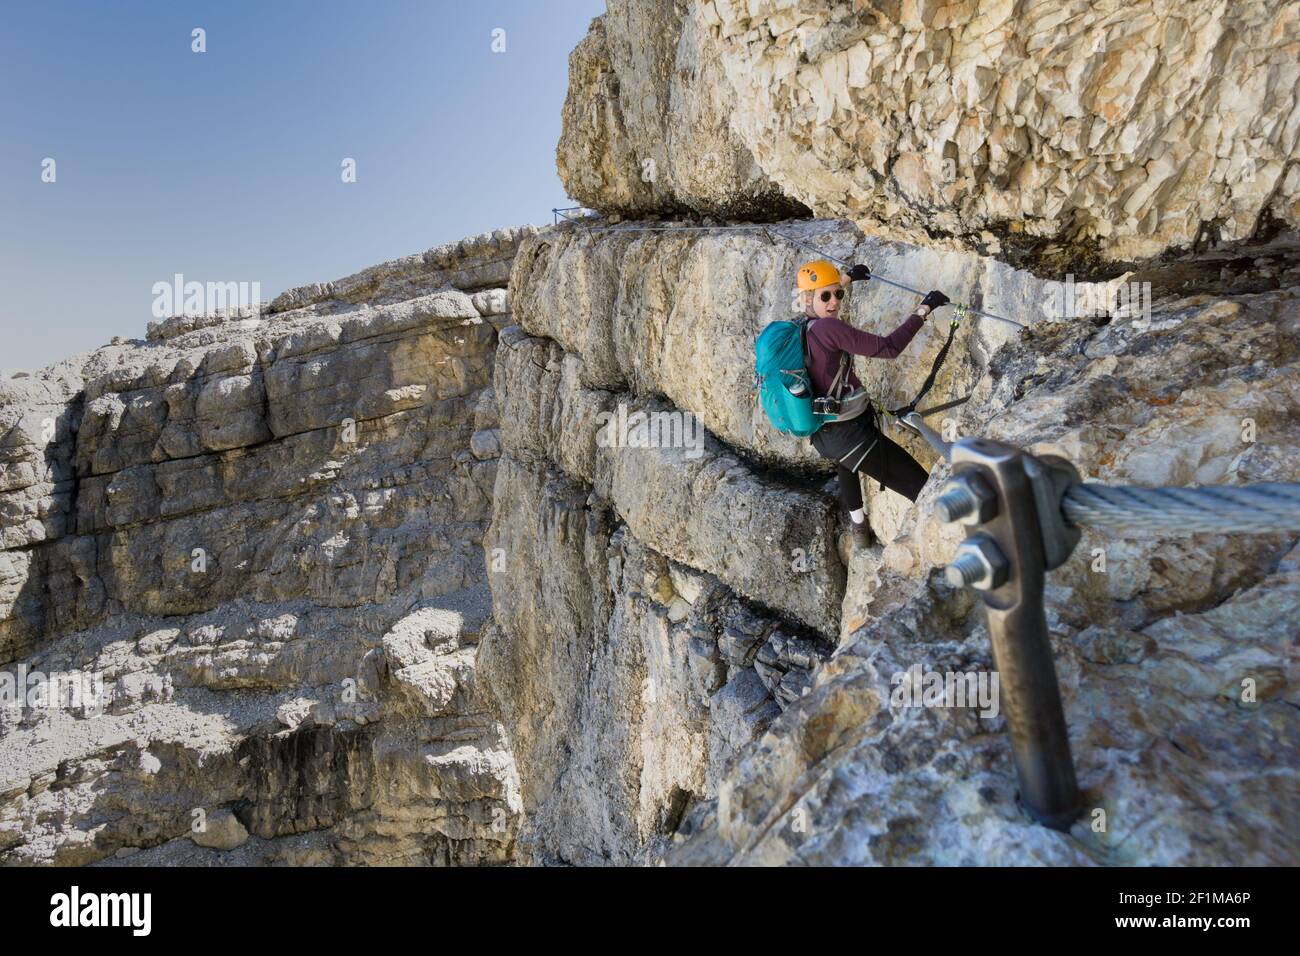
(858, 516)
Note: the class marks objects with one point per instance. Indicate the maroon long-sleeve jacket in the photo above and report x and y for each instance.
(827, 338)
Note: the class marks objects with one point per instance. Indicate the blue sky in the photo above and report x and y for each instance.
(226, 165)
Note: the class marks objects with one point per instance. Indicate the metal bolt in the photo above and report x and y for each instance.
(979, 564)
(966, 497)
(955, 501)
(965, 570)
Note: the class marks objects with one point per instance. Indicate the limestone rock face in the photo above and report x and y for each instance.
(612, 635)
(259, 536)
(479, 263)
(646, 120)
(1059, 135)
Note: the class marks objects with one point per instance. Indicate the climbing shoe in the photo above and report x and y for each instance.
(860, 531)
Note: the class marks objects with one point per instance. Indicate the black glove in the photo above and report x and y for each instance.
(858, 273)
(935, 299)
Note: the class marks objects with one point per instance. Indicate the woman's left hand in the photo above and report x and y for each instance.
(935, 299)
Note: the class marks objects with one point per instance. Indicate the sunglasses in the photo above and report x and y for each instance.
(838, 293)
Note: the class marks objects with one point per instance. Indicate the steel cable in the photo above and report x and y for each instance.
(1258, 508)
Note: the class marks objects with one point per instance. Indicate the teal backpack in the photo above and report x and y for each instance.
(780, 366)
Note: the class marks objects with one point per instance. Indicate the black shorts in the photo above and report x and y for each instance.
(847, 442)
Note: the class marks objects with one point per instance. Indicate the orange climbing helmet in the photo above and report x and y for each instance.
(817, 275)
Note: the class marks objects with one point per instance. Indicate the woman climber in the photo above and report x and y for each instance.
(852, 439)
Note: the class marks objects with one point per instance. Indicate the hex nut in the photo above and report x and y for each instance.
(966, 497)
(978, 563)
